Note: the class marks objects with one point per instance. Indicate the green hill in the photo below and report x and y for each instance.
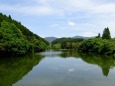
(16, 39)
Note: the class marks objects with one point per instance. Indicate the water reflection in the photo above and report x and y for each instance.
(104, 62)
(51, 53)
(58, 68)
(13, 69)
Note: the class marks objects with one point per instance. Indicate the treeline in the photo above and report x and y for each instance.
(101, 45)
(16, 39)
(66, 43)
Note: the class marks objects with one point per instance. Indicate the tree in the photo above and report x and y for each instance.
(56, 46)
(98, 35)
(68, 43)
(12, 42)
(96, 45)
(106, 34)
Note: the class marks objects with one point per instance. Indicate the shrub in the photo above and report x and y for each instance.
(96, 45)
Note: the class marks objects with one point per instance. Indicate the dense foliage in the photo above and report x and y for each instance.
(99, 35)
(106, 34)
(98, 45)
(104, 45)
(66, 43)
(15, 39)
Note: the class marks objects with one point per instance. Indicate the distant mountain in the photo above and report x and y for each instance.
(50, 39)
(82, 37)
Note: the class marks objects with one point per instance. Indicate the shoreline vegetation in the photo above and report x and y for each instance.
(16, 39)
(104, 45)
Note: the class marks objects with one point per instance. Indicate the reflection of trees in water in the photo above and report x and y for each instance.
(105, 71)
(102, 61)
(69, 53)
(13, 69)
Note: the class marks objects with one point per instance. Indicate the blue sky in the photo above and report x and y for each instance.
(62, 18)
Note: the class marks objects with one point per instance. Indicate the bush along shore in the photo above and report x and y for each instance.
(101, 45)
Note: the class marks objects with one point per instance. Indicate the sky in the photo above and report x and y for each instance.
(62, 18)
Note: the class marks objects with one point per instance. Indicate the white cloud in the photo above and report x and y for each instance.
(71, 70)
(88, 34)
(32, 10)
(54, 25)
(61, 7)
(104, 9)
(71, 23)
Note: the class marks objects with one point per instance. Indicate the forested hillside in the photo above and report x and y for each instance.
(66, 43)
(16, 39)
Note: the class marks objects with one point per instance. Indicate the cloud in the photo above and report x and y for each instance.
(88, 34)
(104, 9)
(71, 23)
(71, 70)
(31, 10)
(54, 25)
(60, 7)
(92, 16)
(48, 7)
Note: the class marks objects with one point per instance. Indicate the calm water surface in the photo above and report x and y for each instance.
(58, 68)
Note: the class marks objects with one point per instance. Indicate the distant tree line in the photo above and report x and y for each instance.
(66, 43)
(16, 39)
(101, 45)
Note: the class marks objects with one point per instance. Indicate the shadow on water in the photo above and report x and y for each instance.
(13, 69)
(104, 62)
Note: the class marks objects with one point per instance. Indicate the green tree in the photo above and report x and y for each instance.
(106, 34)
(68, 43)
(12, 41)
(98, 35)
(56, 46)
(96, 45)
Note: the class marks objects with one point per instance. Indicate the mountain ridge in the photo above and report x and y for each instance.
(50, 39)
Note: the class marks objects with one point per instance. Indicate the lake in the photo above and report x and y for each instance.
(58, 68)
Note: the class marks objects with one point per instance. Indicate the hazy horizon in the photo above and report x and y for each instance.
(67, 36)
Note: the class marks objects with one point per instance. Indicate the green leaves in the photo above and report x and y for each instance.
(67, 43)
(106, 34)
(56, 46)
(104, 45)
(15, 39)
(12, 41)
(96, 45)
